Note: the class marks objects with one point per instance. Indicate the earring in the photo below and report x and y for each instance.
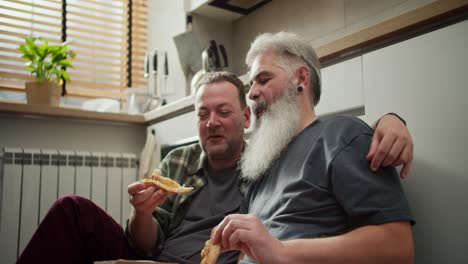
(299, 89)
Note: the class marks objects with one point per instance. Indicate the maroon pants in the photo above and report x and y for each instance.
(75, 230)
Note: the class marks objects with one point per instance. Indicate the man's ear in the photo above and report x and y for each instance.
(247, 116)
(303, 76)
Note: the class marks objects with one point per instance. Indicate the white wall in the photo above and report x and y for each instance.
(425, 80)
(60, 133)
(166, 19)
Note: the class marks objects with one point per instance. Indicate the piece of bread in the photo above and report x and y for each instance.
(210, 253)
(166, 184)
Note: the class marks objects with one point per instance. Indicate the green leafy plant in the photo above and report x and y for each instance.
(47, 62)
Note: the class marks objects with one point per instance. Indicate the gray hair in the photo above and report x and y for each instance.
(292, 53)
(224, 76)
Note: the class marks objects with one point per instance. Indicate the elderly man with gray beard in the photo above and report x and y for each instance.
(312, 197)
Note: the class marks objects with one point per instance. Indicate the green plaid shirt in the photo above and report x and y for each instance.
(187, 165)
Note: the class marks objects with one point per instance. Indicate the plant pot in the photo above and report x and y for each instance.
(46, 93)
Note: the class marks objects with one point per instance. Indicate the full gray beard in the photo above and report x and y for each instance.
(272, 133)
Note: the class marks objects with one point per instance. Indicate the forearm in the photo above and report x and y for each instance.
(143, 230)
(388, 243)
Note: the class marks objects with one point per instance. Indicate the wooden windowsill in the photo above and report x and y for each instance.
(22, 109)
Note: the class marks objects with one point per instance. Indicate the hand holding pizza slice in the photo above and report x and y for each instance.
(210, 252)
(167, 184)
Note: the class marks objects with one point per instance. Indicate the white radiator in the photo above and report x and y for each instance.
(32, 179)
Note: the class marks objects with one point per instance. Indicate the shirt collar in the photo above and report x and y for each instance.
(201, 163)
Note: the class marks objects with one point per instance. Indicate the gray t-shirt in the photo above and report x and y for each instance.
(218, 198)
(321, 185)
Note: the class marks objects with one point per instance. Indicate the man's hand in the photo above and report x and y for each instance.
(145, 197)
(391, 145)
(247, 234)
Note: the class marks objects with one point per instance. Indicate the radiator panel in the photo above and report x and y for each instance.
(30, 196)
(129, 175)
(49, 181)
(98, 179)
(114, 187)
(83, 175)
(66, 181)
(10, 214)
(32, 179)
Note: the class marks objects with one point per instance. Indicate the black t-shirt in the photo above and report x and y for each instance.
(218, 198)
(321, 185)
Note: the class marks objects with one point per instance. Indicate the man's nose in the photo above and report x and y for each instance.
(254, 93)
(212, 121)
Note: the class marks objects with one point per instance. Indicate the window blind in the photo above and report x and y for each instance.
(19, 19)
(98, 31)
(139, 42)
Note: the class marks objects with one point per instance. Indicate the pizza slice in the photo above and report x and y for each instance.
(210, 253)
(167, 184)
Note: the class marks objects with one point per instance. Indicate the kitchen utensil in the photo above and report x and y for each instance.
(210, 62)
(146, 66)
(189, 51)
(200, 73)
(166, 72)
(215, 56)
(154, 90)
(224, 54)
(140, 100)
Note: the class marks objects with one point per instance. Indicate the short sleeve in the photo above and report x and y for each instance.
(368, 198)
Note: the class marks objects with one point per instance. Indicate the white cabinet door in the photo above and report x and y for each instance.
(341, 87)
(425, 79)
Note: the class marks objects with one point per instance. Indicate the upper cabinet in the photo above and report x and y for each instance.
(225, 10)
(342, 89)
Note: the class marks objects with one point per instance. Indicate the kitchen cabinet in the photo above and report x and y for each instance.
(342, 88)
(425, 80)
(203, 7)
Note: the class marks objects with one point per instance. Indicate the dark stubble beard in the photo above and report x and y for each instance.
(272, 133)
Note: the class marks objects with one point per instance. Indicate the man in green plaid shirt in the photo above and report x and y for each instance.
(177, 230)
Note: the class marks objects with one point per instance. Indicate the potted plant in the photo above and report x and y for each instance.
(48, 63)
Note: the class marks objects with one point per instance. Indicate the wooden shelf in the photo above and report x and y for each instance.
(22, 109)
(171, 110)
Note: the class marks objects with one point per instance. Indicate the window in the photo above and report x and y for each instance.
(109, 49)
